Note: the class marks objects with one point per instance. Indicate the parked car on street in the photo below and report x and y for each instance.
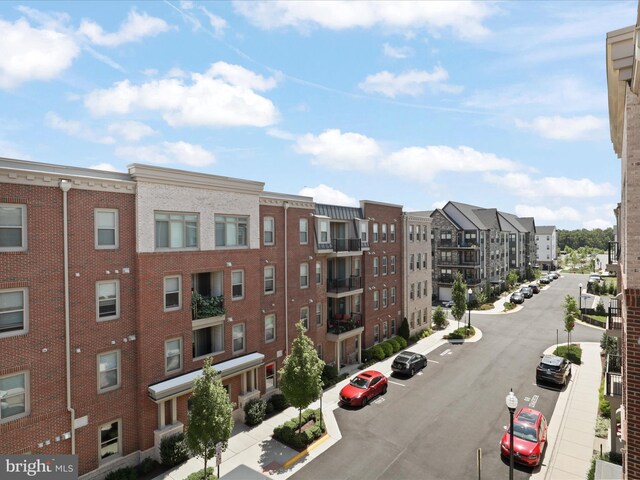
(554, 275)
(545, 280)
(516, 297)
(553, 369)
(363, 387)
(408, 363)
(526, 292)
(535, 288)
(529, 437)
(447, 304)
(595, 278)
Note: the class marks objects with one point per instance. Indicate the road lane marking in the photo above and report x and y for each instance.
(396, 383)
(527, 399)
(432, 361)
(446, 352)
(534, 400)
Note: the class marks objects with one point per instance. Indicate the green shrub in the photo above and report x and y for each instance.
(199, 475)
(454, 336)
(605, 408)
(402, 341)
(269, 408)
(404, 331)
(173, 450)
(377, 353)
(387, 348)
(395, 344)
(147, 466)
(279, 402)
(614, 457)
(125, 473)
(254, 411)
(461, 333)
(486, 306)
(509, 306)
(600, 309)
(329, 373)
(591, 473)
(288, 432)
(573, 353)
(439, 318)
(367, 364)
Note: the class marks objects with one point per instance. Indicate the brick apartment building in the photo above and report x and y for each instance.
(115, 287)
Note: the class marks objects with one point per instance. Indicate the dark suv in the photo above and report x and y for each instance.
(553, 369)
(408, 363)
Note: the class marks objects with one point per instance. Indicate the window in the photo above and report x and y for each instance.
(384, 298)
(238, 338)
(424, 233)
(173, 355)
(237, 284)
(176, 230)
(412, 291)
(269, 328)
(384, 265)
(393, 264)
(318, 273)
(413, 320)
(319, 350)
(172, 293)
(445, 236)
(393, 295)
(385, 332)
(13, 227)
(419, 261)
(392, 232)
(446, 257)
(318, 314)
(376, 333)
(231, 231)
(411, 233)
(110, 440)
(376, 300)
(304, 275)
(375, 232)
(108, 371)
(270, 376)
(424, 291)
(376, 268)
(106, 228)
(304, 231)
(304, 317)
(419, 290)
(363, 232)
(107, 300)
(384, 232)
(411, 260)
(424, 261)
(418, 233)
(269, 280)
(356, 267)
(268, 236)
(14, 318)
(357, 303)
(419, 317)
(393, 327)
(324, 231)
(14, 392)
(209, 340)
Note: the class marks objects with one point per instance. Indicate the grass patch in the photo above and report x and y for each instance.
(598, 318)
(485, 306)
(461, 333)
(573, 353)
(604, 406)
(509, 306)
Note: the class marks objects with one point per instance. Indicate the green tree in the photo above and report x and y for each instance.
(571, 312)
(210, 417)
(301, 373)
(459, 298)
(439, 317)
(512, 279)
(404, 330)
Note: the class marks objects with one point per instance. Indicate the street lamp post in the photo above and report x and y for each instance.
(469, 308)
(512, 403)
(580, 299)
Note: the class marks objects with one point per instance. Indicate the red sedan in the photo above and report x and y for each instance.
(529, 437)
(363, 387)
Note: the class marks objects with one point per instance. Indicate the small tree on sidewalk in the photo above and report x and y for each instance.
(439, 318)
(301, 373)
(571, 312)
(210, 417)
(459, 298)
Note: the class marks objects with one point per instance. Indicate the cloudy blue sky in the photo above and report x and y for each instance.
(498, 104)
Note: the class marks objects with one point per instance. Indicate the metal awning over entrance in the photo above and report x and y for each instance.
(184, 383)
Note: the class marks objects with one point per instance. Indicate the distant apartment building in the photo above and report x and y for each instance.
(622, 371)
(547, 247)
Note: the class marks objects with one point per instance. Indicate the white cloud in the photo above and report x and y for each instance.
(105, 166)
(396, 52)
(218, 24)
(412, 82)
(222, 96)
(597, 223)
(522, 185)
(131, 130)
(281, 134)
(150, 72)
(11, 150)
(136, 27)
(186, 4)
(464, 18)
(545, 215)
(424, 163)
(339, 151)
(325, 194)
(585, 127)
(76, 129)
(439, 204)
(169, 153)
(28, 53)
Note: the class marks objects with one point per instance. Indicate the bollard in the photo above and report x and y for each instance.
(479, 462)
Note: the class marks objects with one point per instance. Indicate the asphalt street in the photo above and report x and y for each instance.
(432, 425)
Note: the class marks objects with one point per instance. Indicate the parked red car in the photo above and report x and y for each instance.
(363, 387)
(530, 435)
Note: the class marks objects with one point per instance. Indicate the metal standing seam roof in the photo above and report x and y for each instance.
(488, 216)
(513, 221)
(338, 212)
(469, 212)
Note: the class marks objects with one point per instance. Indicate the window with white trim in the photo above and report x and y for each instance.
(411, 233)
(176, 230)
(108, 371)
(376, 333)
(393, 264)
(357, 303)
(269, 280)
(14, 312)
(172, 293)
(375, 232)
(393, 326)
(411, 260)
(384, 232)
(412, 291)
(13, 227)
(419, 261)
(208, 340)
(363, 232)
(232, 231)
(269, 328)
(393, 295)
(110, 440)
(304, 275)
(356, 267)
(318, 272)
(304, 231)
(424, 233)
(376, 300)
(268, 236)
(419, 317)
(106, 228)
(304, 317)
(318, 314)
(237, 284)
(385, 332)
(108, 300)
(419, 290)
(375, 266)
(392, 232)
(238, 338)
(319, 350)
(14, 396)
(270, 376)
(384, 265)
(424, 261)
(384, 298)
(324, 231)
(173, 355)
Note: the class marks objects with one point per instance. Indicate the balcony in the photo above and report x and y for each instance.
(614, 322)
(342, 326)
(613, 257)
(343, 286)
(449, 279)
(206, 307)
(455, 244)
(346, 244)
(613, 376)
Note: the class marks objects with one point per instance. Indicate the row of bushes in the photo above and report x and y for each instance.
(131, 473)
(288, 432)
(330, 376)
(385, 349)
(257, 409)
(573, 353)
(461, 333)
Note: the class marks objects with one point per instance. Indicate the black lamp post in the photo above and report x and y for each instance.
(580, 299)
(512, 404)
(469, 308)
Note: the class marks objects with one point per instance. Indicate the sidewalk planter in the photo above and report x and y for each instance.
(289, 434)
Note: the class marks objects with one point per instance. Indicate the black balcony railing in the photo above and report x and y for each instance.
(346, 244)
(455, 244)
(613, 376)
(205, 307)
(614, 252)
(451, 279)
(342, 323)
(339, 285)
(614, 321)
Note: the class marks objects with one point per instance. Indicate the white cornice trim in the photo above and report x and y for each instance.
(279, 199)
(52, 179)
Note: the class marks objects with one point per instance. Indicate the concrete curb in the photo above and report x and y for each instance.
(306, 451)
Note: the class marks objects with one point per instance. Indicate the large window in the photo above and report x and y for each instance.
(176, 230)
(110, 440)
(173, 355)
(304, 316)
(304, 275)
(392, 232)
(385, 332)
(411, 260)
(375, 266)
(393, 264)
(238, 338)
(13, 227)
(13, 312)
(304, 231)
(231, 231)
(324, 231)
(393, 295)
(384, 232)
(318, 313)
(356, 267)
(108, 371)
(363, 232)
(108, 299)
(375, 232)
(172, 293)
(14, 396)
(384, 298)
(237, 284)
(106, 226)
(376, 333)
(411, 233)
(270, 376)
(268, 236)
(376, 300)
(419, 261)
(357, 304)
(384, 265)
(418, 233)
(318, 272)
(209, 340)
(269, 328)
(269, 280)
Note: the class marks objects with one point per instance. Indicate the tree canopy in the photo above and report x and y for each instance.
(459, 297)
(596, 238)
